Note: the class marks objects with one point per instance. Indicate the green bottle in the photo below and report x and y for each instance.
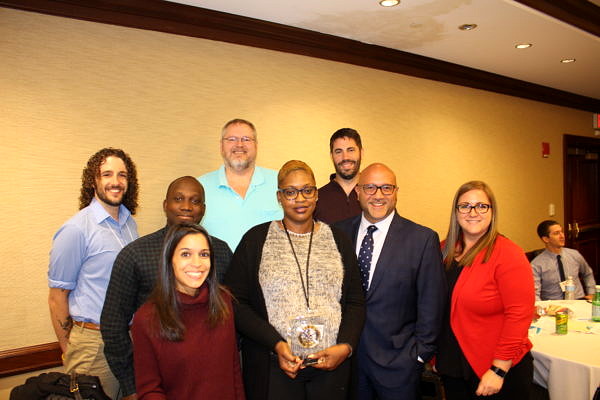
(596, 305)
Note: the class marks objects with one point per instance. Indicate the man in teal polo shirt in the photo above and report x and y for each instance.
(239, 195)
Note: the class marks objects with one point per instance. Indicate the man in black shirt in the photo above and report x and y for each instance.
(134, 273)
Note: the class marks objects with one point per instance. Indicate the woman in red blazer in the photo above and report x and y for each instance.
(484, 348)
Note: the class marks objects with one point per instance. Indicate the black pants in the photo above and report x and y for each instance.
(517, 384)
(310, 383)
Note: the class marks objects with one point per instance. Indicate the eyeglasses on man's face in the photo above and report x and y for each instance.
(235, 139)
(371, 189)
(308, 192)
(465, 208)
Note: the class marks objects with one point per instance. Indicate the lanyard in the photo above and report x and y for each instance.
(122, 243)
(305, 288)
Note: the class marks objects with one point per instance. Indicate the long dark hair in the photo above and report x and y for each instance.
(166, 304)
(92, 171)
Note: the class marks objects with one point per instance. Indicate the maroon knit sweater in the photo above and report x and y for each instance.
(205, 365)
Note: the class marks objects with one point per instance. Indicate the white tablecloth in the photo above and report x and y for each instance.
(567, 365)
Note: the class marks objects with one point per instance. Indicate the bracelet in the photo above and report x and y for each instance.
(498, 371)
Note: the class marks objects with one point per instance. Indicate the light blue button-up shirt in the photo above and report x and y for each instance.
(547, 278)
(229, 215)
(82, 256)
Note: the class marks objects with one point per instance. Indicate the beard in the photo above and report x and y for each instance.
(350, 174)
(115, 203)
(238, 164)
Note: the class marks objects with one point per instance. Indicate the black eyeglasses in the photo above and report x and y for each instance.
(371, 189)
(465, 208)
(308, 192)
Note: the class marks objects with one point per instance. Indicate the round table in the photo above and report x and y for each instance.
(567, 365)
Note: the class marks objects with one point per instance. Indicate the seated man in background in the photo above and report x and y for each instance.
(135, 271)
(555, 264)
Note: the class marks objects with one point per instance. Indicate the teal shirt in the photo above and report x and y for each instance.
(228, 215)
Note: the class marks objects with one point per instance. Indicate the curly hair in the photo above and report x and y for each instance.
(92, 171)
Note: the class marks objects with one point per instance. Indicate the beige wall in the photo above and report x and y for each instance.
(70, 87)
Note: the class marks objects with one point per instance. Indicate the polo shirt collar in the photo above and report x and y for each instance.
(258, 178)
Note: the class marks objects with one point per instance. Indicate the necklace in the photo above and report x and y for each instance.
(305, 288)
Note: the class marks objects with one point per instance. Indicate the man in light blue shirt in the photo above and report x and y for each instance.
(239, 195)
(81, 260)
(556, 263)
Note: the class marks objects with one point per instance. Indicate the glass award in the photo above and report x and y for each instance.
(307, 334)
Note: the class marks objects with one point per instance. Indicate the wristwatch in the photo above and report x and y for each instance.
(498, 371)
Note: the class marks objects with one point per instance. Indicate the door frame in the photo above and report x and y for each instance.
(575, 141)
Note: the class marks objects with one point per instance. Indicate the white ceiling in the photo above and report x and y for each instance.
(430, 28)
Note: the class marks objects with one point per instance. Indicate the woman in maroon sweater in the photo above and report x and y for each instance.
(484, 348)
(184, 343)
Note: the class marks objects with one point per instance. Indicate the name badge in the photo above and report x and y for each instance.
(563, 285)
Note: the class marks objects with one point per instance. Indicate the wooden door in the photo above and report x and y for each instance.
(582, 197)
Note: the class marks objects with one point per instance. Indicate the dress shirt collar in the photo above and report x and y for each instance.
(382, 226)
(552, 254)
(100, 214)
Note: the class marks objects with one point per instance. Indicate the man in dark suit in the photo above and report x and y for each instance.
(405, 288)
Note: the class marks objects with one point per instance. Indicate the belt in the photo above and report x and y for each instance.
(87, 325)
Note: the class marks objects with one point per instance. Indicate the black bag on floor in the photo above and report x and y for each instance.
(59, 386)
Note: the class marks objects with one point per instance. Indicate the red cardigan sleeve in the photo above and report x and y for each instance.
(515, 285)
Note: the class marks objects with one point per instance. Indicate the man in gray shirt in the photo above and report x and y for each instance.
(555, 264)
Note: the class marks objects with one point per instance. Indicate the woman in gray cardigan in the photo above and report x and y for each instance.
(300, 306)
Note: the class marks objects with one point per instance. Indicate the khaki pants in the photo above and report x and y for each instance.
(85, 355)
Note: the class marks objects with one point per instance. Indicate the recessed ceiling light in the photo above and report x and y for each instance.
(467, 27)
(389, 3)
(567, 60)
(523, 45)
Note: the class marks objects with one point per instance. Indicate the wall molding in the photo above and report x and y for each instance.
(191, 21)
(32, 358)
